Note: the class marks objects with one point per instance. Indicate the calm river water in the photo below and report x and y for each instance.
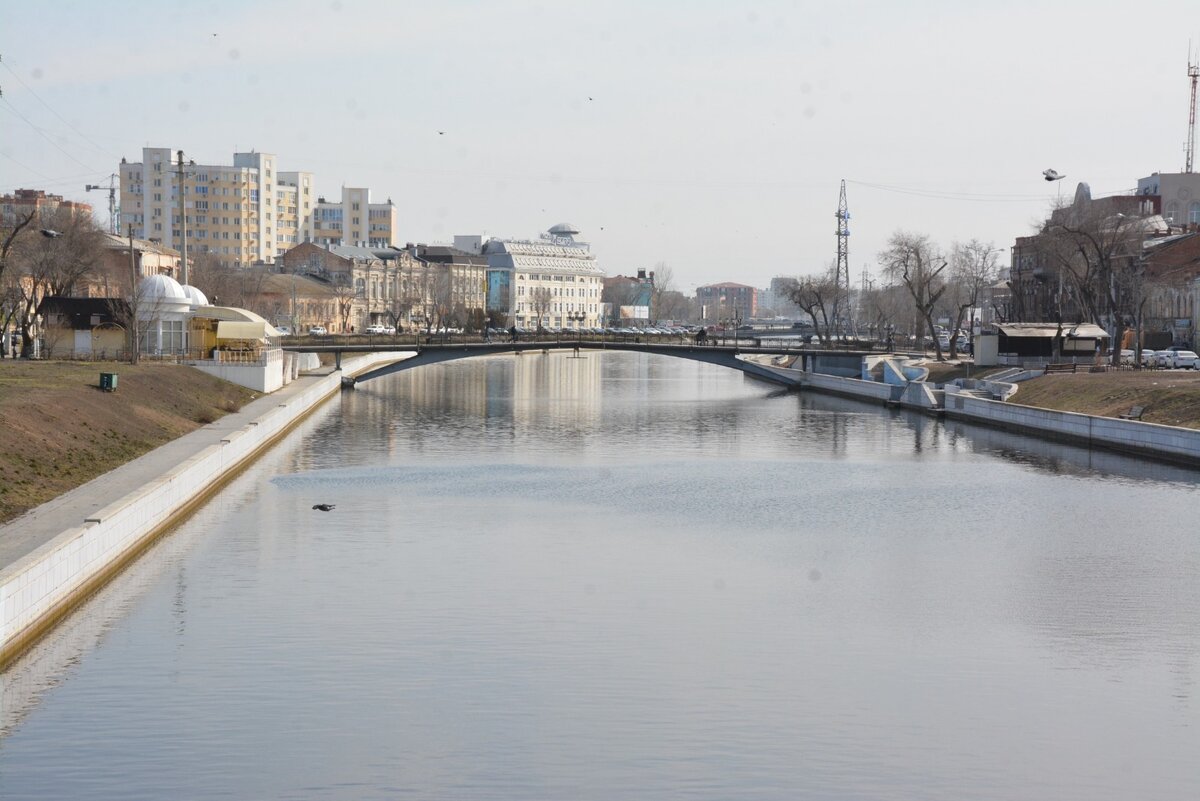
(631, 577)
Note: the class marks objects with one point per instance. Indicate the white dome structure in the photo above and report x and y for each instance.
(195, 296)
(164, 293)
(564, 229)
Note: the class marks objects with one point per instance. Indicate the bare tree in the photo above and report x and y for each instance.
(817, 296)
(1099, 254)
(972, 268)
(15, 233)
(913, 260)
(344, 294)
(541, 300)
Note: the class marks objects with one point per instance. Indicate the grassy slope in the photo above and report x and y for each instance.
(1171, 397)
(58, 430)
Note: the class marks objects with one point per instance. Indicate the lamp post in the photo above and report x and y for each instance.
(577, 317)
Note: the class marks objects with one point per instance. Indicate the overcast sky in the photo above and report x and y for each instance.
(708, 135)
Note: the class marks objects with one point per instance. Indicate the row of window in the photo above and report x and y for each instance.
(565, 278)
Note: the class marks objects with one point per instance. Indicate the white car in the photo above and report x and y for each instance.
(1180, 359)
(376, 329)
(317, 331)
(1148, 357)
(1127, 356)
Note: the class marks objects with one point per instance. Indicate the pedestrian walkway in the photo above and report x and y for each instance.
(40, 525)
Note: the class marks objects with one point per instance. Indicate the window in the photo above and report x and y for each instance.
(1194, 213)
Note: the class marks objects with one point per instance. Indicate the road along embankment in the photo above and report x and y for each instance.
(59, 553)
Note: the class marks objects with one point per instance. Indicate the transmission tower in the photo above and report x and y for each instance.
(1193, 73)
(843, 260)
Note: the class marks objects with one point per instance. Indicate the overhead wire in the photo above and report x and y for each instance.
(42, 134)
(51, 109)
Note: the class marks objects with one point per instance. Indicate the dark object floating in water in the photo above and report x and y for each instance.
(324, 507)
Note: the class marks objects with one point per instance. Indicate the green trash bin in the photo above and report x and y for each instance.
(108, 382)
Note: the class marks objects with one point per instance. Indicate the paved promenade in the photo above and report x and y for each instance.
(25, 534)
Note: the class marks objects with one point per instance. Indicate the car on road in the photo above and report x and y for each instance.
(317, 331)
(380, 329)
(1182, 359)
(284, 330)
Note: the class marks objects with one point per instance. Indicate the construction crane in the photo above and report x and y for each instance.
(114, 222)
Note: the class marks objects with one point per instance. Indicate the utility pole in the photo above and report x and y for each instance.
(135, 336)
(183, 268)
(843, 260)
(114, 225)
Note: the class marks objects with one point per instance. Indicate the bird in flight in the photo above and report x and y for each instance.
(1052, 175)
(441, 133)
(324, 507)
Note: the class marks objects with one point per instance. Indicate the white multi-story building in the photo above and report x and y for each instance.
(553, 281)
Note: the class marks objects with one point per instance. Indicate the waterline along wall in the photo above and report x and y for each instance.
(1127, 436)
(41, 587)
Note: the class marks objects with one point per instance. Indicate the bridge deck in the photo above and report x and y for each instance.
(724, 354)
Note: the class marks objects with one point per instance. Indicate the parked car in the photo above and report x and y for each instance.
(1163, 358)
(284, 330)
(1183, 359)
(376, 329)
(317, 331)
(1127, 356)
(1148, 357)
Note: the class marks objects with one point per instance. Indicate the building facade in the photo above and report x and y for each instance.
(550, 282)
(246, 212)
(23, 201)
(726, 303)
(354, 220)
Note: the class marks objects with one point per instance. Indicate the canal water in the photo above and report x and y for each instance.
(632, 577)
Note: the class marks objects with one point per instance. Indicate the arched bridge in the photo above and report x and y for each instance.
(724, 355)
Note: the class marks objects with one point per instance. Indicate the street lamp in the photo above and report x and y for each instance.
(577, 317)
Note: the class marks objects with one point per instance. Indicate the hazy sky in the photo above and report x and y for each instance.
(708, 135)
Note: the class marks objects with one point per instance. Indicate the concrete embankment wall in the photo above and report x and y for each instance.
(37, 589)
(852, 387)
(1129, 436)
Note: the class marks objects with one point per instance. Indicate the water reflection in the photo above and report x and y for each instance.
(630, 577)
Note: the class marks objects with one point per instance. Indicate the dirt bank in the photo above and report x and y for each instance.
(58, 430)
(1170, 397)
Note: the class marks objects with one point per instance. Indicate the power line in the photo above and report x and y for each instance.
(979, 197)
(29, 89)
(42, 134)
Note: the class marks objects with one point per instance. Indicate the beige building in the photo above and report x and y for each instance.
(24, 201)
(111, 278)
(354, 220)
(241, 213)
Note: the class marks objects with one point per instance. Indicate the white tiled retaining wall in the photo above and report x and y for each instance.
(1181, 444)
(854, 387)
(37, 585)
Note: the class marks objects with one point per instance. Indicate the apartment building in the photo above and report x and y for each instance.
(246, 212)
(230, 209)
(24, 201)
(354, 220)
(727, 303)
